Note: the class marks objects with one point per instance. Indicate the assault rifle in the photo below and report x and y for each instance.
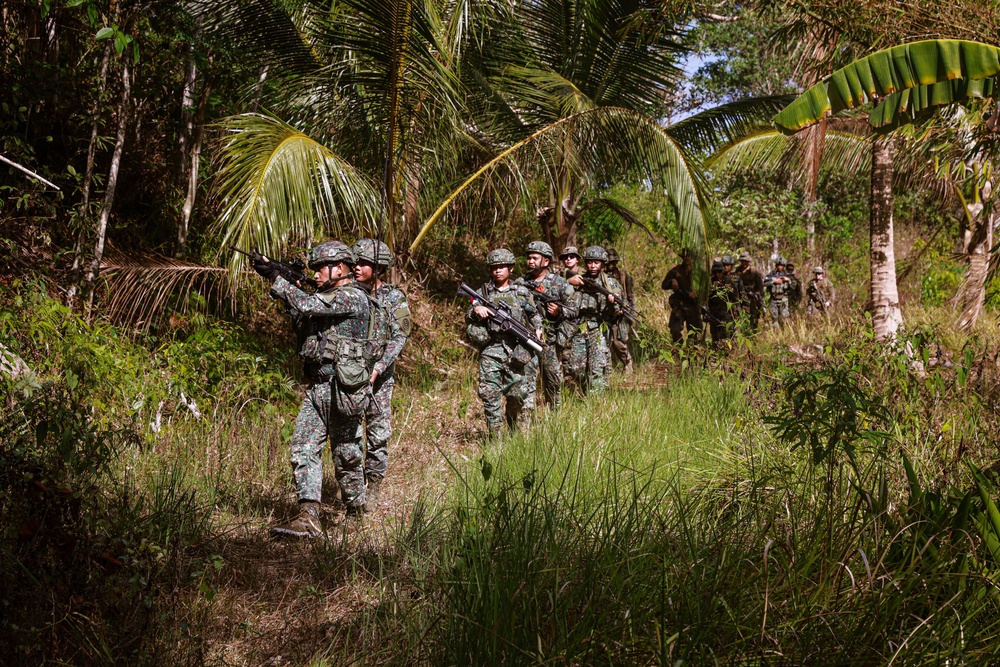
(542, 299)
(500, 316)
(293, 271)
(593, 286)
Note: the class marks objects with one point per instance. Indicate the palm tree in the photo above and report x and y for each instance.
(904, 81)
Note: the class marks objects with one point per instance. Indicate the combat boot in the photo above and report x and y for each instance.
(372, 493)
(305, 525)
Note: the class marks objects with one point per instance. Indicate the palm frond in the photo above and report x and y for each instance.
(142, 290)
(709, 131)
(280, 187)
(601, 144)
(605, 207)
(770, 150)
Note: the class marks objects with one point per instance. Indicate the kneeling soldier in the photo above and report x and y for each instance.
(505, 366)
(338, 311)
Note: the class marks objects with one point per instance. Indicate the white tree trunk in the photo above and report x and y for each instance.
(192, 176)
(972, 296)
(884, 297)
(109, 194)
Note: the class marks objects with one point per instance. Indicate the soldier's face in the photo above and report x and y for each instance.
(594, 266)
(364, 272)
(571, 261)
(322, 274)
(744, 265)
(536, 261)
(501, 274)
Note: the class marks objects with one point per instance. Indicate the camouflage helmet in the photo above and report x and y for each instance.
(569, 250)
(818, 269)
(780, 261)
(718, 266)
(727, 260)
(330, 252)
(613, 256)
(595, 252)
(745, 257)
(364, 249)
(500, 257)
(540, 247)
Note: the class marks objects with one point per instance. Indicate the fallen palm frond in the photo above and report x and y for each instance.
(143, 290)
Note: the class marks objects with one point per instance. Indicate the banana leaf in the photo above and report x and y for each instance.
(890, 71)
(913, 104)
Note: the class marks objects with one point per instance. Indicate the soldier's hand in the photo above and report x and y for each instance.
(482, 312)
(373, 377)
(575, 281)
(552, 308)
(266, 269)
(674, 285)
(611, 298)
(693, 295)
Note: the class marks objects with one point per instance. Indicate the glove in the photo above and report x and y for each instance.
(266, 269)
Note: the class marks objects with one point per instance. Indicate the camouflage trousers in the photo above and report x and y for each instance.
(551, 371)
(498, 379)
(378, 429)
(618, 345)
(589, 361)
(779, 311)
(681, 313)
(315, 423)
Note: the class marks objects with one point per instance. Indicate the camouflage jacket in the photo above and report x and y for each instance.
(753, 284)
(341, 311)
(821, 295)
(395, 301)
(556, 286)
(594, 308)
(488, 337)
(777, 290)
(722, 300)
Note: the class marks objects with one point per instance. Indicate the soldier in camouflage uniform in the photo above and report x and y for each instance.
(722, 302)
(622, 329)
(753, 288)
(735, 283)
(777, 285)
(374, 259)
(505, 366)
(339, 310)
(559, 316)
(589, 359)
(684, 309)
(794, 288)
(570, 259)
(820, 292)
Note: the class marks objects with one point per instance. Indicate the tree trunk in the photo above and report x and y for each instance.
(192, 177)
(815, 146)
(884, 297)
(109, 194)
(88, 179)
(186, 137)
(972, 296)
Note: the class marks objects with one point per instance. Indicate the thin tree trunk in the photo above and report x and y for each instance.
(88, 179)
(259, 88)
(109, 194)
(884, 298)
(192, 181)
(186, 137)
(814, 149)
(973, 293)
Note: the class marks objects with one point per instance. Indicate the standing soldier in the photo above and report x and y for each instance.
(505, 366)
(559, 308)
(621, 330)
(373, 259)
(721, 304)
(794, 287)
(570, 259)
(589, 360)
(684, 307)
(777, 285)
(820, 292)
(736, 285)
(753, 288)
(337, 313)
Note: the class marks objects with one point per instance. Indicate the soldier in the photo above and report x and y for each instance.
(721, 304)
(373, 259)
(794, 287)
(559, 316)
(338, 312)
(736, 284)
(753, 288)
(622, 329)
(820, 292)
(777, 285)
(684, 307)
(589, 360)
(570, 259)
(504, 364)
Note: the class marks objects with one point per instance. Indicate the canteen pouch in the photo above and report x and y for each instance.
(348, 357)
(520, 355)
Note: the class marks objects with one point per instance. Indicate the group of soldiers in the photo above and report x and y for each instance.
(580, 314)
(569, 323)
(351, 330)
(740, 294)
